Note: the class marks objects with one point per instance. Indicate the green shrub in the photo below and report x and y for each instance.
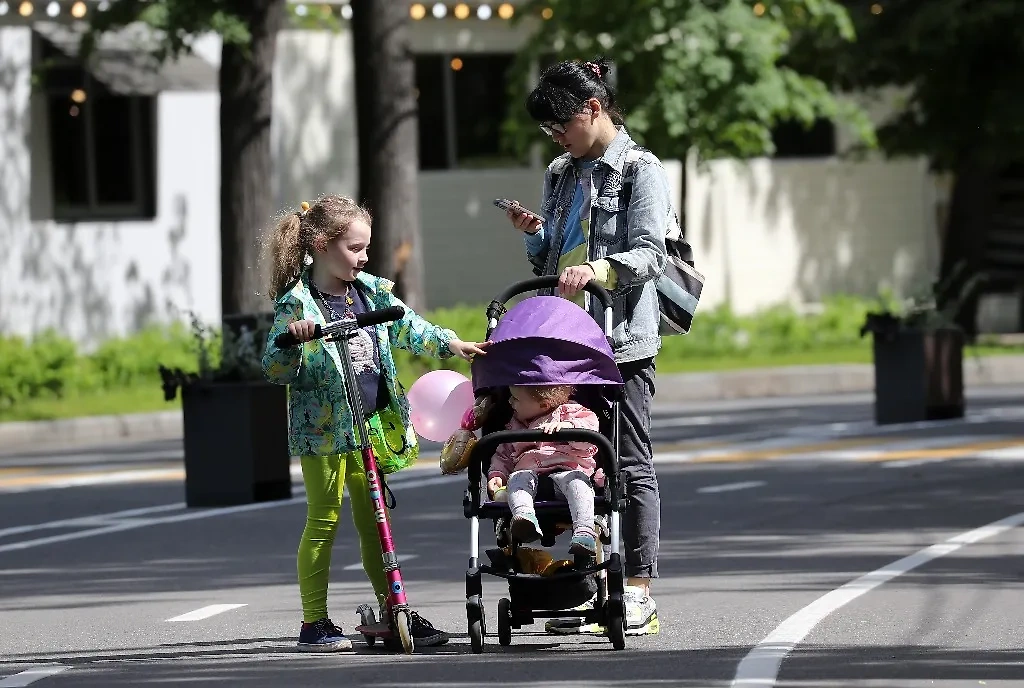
(50, 365)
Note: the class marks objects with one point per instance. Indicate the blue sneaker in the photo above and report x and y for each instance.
(583, 544)
(525, 527)
(322, 636)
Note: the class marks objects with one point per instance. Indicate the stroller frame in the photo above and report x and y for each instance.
(514, 611)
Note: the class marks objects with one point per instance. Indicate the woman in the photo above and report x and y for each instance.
(606, 207)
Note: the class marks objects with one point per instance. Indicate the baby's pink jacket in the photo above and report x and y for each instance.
(548, 457)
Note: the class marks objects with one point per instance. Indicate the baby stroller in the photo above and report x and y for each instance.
(546, 340)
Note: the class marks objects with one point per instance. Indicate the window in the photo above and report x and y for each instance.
(793, 140)
(463, 101)
(102, 144)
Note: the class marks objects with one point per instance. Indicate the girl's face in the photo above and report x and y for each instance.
(346, 253)
(577, 135)
(525, 405)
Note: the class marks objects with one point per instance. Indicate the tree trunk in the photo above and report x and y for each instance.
(246, 92)
(964, 239)
(386, 121)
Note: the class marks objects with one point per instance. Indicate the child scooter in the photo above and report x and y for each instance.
(400, 622)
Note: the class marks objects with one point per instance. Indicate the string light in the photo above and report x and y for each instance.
(759, 9)
(78, 10)
(505, 10)
(876, 9)
(25, 9)
(547, 13)
(456, 64)
(78, 95)
(103, 6)
(483, 12)
(301, 10)
(346, 12)
(53, 9)
(461, 11)
(439, 10)
(417, 11)
(4, 8)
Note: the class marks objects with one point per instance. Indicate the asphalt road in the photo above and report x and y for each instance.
(801, 546)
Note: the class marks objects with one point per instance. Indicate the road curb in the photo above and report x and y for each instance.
(754, 383)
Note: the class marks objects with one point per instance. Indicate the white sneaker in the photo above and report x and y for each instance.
(641, 612)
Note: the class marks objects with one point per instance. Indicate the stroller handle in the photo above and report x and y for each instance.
(551, 281)
(486, 445)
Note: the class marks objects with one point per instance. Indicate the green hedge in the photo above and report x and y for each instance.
(50, 366)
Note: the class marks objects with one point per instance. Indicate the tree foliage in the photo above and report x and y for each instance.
(710, 74)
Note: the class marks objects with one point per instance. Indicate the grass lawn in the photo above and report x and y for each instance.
(139, 399)
(149, 397)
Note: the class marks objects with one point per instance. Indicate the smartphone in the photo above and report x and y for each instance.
(506, 205)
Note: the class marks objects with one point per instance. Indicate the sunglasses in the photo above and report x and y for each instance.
(552, 128)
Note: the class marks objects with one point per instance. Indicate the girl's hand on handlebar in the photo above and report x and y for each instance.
(302, 330)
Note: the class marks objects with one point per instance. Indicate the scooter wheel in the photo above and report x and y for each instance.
(404, 624)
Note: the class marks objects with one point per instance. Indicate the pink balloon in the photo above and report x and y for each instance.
(437, 403)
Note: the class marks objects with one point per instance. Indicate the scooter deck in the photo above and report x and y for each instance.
(378, 630)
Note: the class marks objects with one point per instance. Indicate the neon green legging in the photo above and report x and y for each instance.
(325, 478)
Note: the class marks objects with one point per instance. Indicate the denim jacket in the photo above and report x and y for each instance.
(630, 236)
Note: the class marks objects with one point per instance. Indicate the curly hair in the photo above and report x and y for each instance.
(302, 232)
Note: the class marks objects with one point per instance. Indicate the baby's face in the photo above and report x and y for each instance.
(525, 405)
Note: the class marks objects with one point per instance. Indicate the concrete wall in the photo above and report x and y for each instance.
(772, 231)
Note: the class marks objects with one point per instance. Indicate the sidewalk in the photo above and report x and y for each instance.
(754, 383)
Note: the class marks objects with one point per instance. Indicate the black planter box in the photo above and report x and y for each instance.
(918, 375)
(236, 443)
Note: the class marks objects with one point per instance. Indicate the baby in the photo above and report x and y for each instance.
(518, 466)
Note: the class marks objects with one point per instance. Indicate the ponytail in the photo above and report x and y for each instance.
(286, 254)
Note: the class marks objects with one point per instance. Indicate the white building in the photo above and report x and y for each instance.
(109, 179)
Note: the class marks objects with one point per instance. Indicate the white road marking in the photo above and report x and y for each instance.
(731, 487)
(760, 668)
(132, 524)
(402, 558)
(30, 676)
(206, 612)
(95, 519)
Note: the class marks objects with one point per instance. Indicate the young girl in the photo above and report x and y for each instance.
(569, 464)
(607, 209)
(335, 234)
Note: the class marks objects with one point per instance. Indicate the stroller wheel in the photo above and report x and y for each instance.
(475, 615)
(504, 621)
(404, 625)
(615, 620)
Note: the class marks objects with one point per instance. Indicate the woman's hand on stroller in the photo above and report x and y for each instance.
(554, 426)
(467, 350)
(573, 279)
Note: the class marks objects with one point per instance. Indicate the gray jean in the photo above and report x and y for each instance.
(641, 523)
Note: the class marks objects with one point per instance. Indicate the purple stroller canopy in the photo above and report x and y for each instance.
(546, 340)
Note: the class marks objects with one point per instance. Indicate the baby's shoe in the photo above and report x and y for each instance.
(583, 547)
(525, 527)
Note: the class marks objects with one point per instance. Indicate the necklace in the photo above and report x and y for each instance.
(349, 301)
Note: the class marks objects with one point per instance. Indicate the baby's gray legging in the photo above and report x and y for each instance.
(574, 486)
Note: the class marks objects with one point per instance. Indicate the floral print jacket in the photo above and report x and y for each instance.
(320, 417)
